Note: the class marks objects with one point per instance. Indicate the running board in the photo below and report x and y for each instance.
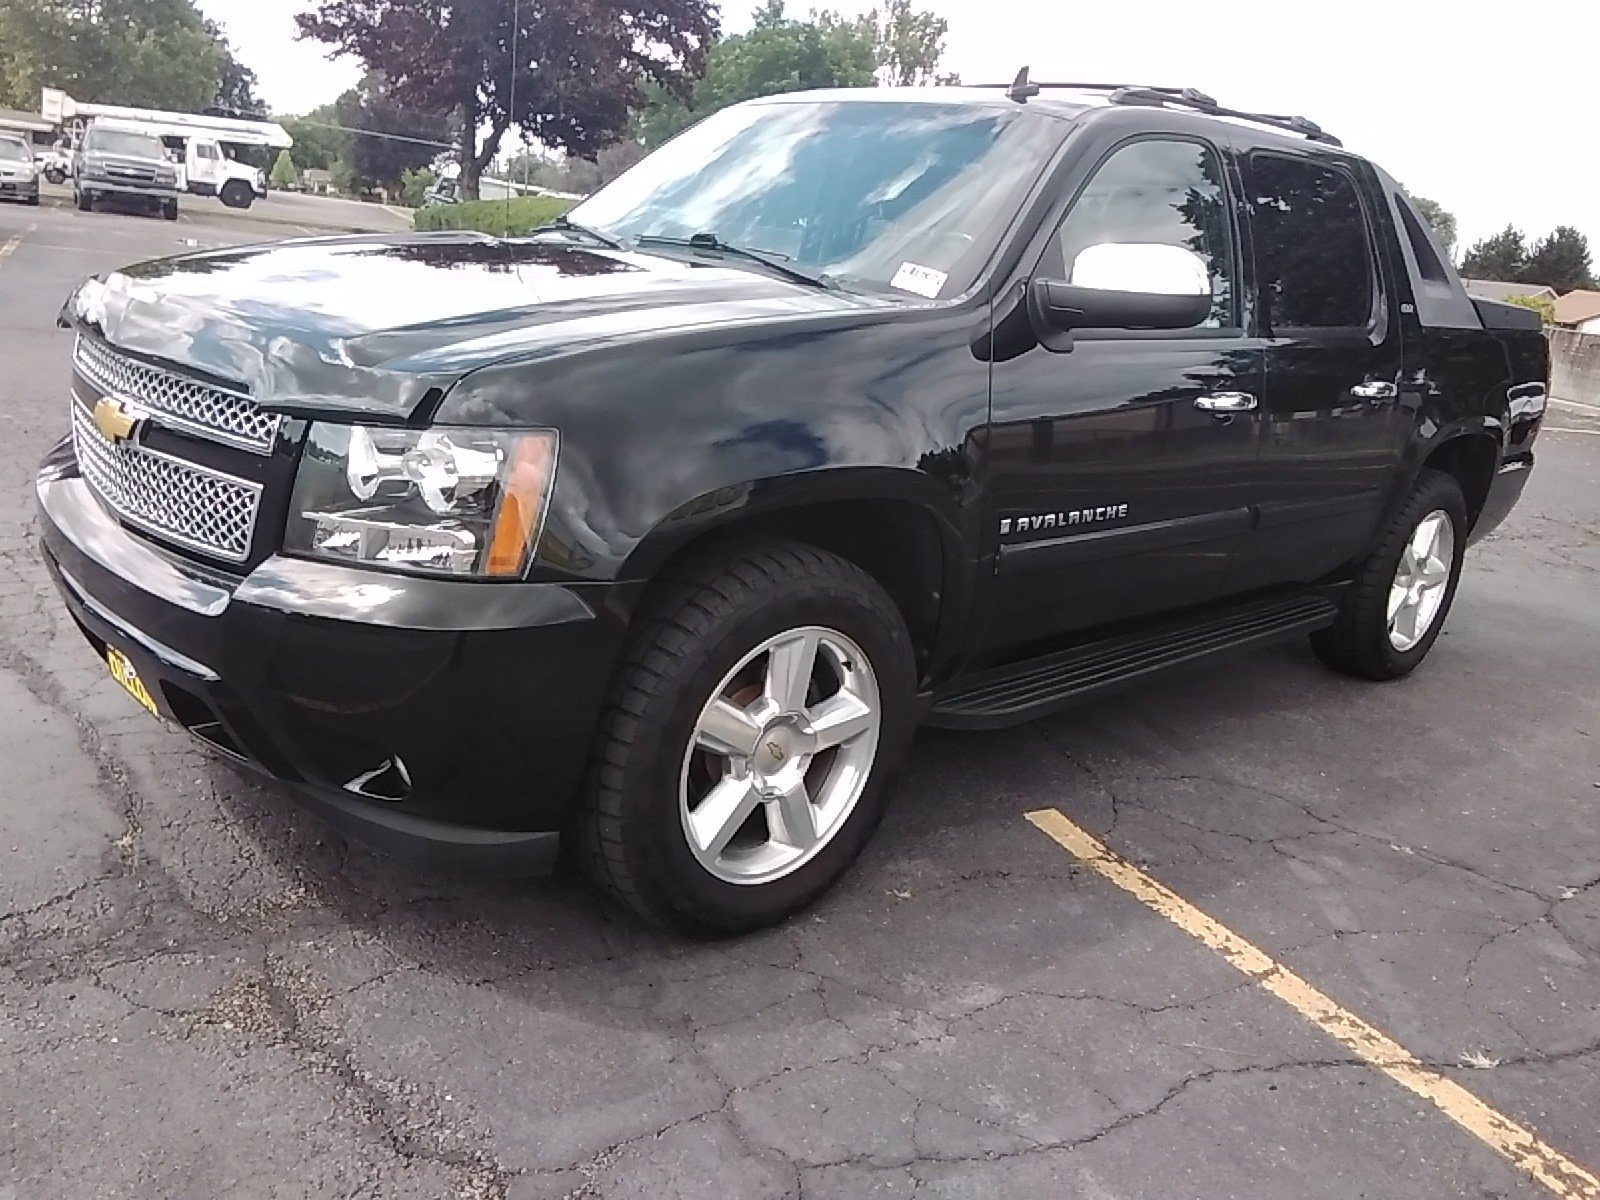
(1025, 690)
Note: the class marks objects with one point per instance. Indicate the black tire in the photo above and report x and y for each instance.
(703, 620)
(34, 200)
(85, 200)
(56, 176)
(169, 209)
(1357, 643)
(236, 193)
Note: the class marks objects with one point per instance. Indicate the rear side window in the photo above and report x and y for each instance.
(1313, 260)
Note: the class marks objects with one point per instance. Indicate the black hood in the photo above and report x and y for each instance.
(374, 325)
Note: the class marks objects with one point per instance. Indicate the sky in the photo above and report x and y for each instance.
(1490, 110)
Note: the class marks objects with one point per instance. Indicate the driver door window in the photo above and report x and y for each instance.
(1155, 192)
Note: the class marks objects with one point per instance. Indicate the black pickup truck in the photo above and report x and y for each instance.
(657, 532)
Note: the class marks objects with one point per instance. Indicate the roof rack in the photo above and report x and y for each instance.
(1022, 88)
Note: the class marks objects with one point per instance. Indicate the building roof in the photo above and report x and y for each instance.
(1493, 289)
(1577, 307)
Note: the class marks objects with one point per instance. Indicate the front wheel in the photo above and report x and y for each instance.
(84, 200)
(169, 209)
(749, 744)
(237, 194)
(1395, 607)
(56, 176)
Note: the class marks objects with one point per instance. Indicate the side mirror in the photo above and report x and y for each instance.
(1122, 285)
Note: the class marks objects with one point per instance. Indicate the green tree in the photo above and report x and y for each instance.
(1442, 221)
(1560, 260)
(777, 55)
(284, 174)
(907, 44)
(146, 53)
(386, 138)
(414, 185)
(1500, 257)
(317, 143)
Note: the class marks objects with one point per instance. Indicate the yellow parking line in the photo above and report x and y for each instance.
(1522, 1146)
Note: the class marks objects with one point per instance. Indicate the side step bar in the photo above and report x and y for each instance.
(1025, 690)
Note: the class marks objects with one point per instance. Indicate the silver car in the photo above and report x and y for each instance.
(19, 177)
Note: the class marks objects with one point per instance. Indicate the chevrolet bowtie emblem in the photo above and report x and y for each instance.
(113, 418)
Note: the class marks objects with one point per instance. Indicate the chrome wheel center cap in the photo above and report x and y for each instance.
(781, 753)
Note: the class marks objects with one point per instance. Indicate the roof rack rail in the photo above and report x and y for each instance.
(1022, 88)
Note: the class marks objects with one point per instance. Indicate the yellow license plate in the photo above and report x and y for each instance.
(122, 671)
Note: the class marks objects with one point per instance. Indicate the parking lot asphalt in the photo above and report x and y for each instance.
(206, 992)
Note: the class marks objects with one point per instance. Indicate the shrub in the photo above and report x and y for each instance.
(283, 173)
(503, 218)
(1543, 305)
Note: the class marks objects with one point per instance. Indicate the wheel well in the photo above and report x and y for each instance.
(895, 542)
(1470, 461)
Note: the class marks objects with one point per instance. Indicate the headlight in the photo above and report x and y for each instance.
(450, 500)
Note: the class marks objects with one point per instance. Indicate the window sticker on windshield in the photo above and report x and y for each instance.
(924, 281)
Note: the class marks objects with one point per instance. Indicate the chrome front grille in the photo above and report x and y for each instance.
(181, 501)
(185, 404)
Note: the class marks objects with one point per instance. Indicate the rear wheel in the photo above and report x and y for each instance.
(1395, 608)
(236, 193)
(749, 744)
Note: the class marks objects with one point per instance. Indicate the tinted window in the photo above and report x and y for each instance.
(1312, 258)
(1155, 192)
(120, 141)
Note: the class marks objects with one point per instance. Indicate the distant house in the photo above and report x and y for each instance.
(1491, 289)
(1580, 311)
(316, 180)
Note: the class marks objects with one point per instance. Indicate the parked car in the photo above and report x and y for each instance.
(19, 178)
(657, 532)
(125, 164)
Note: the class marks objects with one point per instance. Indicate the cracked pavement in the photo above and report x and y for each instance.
(204, 991)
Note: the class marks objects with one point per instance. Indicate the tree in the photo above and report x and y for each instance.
(907, 44)
(414, 185)
(146, 53)
(576, 72)
(1559, 260)
(1501, 257)
(777, 55)
(236, 90)
(316, 142)
(1440, 219)
(387, 139)
(283, 173)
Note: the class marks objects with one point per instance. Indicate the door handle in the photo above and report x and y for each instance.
(1375, 389)
(1224, 403)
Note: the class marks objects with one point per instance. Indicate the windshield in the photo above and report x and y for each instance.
(122, 141)
(905, 195)
(14, 151)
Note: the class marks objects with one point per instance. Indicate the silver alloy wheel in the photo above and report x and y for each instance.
(1420, 582)
(780, 755)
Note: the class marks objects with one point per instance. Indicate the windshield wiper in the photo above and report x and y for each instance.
(562, 225)
(715, 245)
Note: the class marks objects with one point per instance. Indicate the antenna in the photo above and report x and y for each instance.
(1020, 89)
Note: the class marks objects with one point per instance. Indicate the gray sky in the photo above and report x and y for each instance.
(1492, 111)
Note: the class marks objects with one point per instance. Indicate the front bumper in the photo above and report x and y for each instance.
(435, 718)
(155, 193)
(19, 189)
